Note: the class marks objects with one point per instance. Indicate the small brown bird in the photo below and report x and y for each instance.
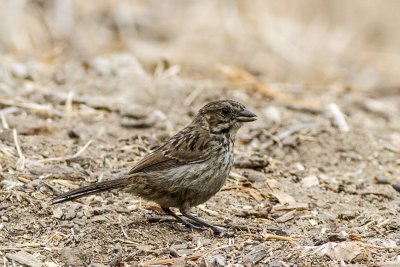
(188, 169)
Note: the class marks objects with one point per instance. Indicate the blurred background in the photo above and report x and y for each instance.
(352, 44)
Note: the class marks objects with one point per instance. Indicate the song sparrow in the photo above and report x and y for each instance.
(188, 169)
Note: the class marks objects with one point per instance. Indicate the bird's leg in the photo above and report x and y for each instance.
(186, 223)
(216, 230)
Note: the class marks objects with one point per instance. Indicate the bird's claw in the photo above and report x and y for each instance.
(218, 230)
(192, 226)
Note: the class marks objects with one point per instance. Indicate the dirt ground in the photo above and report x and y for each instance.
(316, 180)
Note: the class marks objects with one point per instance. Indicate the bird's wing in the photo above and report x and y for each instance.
(183, 148)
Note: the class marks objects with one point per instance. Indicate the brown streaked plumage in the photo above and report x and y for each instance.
(188, 169)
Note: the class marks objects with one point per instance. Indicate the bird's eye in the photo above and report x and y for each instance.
(225, 111)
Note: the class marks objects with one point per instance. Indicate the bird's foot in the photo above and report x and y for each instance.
(193, 226)
(218, 230)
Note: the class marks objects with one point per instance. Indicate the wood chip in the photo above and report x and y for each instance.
(286, 217)
(282, 197)
(297, 206)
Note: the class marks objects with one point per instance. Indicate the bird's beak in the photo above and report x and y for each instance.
(246, 115)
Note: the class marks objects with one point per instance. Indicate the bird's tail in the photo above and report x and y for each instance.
(91, 189)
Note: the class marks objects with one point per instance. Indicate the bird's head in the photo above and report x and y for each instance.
(224, 116)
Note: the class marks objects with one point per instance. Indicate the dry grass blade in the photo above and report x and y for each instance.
(21, 161)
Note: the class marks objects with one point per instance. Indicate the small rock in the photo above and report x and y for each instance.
(100, 210)
(73, 256)
(70, 214)
(360, 184)
(4, 218)
(97, 199)
(346, 215)
(132, 208)
(310, 181)
(57, 213)
(205, 242)
(254, 176)
(299, 166)
(251, 160)
(327, 216)
(19, 70)
(217, 260)
(185, 252)
(273, 114)
(179, 246)
(24, 258)
(50, 264)
(255, 255)
(396, 187)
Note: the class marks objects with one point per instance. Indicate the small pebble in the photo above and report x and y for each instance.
(310, 181)
(57, 213)
(205, 242)
(396, 187)
(217, 260)
(70, 214)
